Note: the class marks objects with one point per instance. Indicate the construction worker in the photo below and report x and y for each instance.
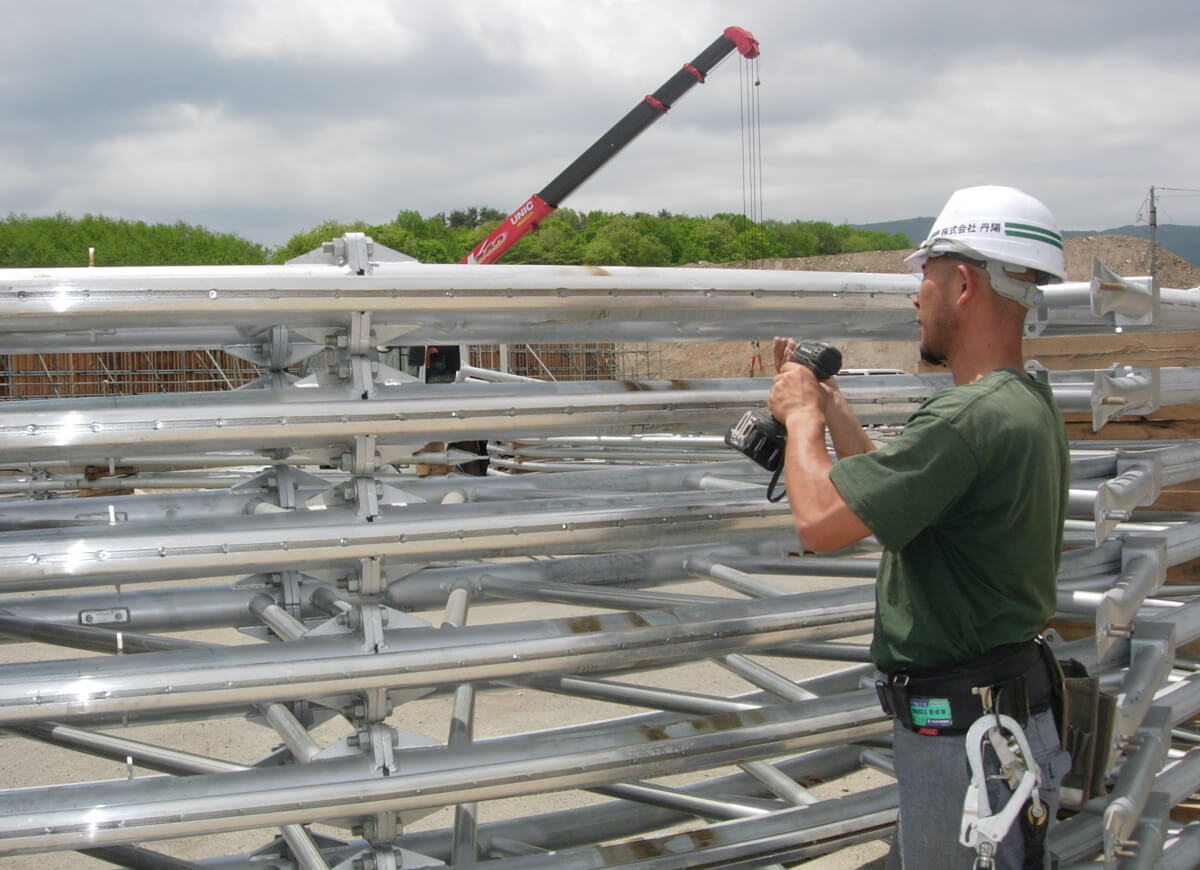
(968, 503)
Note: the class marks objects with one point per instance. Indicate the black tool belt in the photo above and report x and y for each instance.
(1013, 679)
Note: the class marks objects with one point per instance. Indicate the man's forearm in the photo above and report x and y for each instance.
(806, 474)
(848, 436)
(822, 519)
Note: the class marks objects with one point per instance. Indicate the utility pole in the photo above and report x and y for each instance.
(1153, 227)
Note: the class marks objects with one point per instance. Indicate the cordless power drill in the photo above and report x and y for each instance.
(760, 436)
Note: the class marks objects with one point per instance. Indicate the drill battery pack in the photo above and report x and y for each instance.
(760, 437)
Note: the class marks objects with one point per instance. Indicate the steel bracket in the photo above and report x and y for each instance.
(1151, 657)
(360, 333)
(1124, 391)
(285, 481)
(370, 576)
(373, 858)
(274, 349)
(363, 458)
(1131, 301)
(289, 592)
(383, 752)
(374, 618)
(1143, 571)
(1137, 484)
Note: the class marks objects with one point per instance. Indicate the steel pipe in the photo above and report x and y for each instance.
(117, 812)
(436, 304)
(415, 658)
(323, 422)
(307, 539)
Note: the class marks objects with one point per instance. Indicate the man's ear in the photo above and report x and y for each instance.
(970, 282)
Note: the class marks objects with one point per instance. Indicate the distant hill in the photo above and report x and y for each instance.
(1182, 241)
(914, 228)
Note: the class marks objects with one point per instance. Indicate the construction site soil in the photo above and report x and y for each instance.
(1125, 255)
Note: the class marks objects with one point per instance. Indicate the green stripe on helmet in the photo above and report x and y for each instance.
(1031, 231)
(1035, 228)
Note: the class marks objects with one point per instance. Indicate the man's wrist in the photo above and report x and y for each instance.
(804, 417)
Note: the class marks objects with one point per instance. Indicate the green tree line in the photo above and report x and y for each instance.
(30, 242)
(597, 238)
(566, 237)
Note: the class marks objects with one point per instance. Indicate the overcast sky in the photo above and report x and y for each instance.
(264, 118)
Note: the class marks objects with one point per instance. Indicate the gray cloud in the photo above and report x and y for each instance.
(266, 118)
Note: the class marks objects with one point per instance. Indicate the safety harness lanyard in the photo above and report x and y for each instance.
(982, 829)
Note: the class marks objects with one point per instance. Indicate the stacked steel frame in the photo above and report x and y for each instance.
(288, 510)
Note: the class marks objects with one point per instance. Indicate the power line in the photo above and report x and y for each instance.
(1176, 193)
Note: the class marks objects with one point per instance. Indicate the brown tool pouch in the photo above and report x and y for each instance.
(1085, 718)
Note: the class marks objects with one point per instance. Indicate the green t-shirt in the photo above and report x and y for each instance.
(968, 503)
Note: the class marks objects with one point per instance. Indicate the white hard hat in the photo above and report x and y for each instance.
(1000, 229)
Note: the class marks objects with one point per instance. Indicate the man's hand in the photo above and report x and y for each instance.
(796, 391)
(823, 520)
(784, 348)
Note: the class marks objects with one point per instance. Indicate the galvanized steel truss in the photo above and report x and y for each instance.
(288, 510)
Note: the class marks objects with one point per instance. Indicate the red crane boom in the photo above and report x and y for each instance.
(535, 209)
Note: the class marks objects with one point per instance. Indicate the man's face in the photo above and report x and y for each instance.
(935, 313)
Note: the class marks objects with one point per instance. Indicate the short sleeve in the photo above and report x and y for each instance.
(910, 483)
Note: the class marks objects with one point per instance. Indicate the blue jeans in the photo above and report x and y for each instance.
(933, 774)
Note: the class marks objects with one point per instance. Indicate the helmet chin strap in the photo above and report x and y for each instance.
(1026, 292)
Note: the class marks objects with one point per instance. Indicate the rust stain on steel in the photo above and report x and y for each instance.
(643, 849)
(728, 721)
(583, 624)
(654, 732)
(635, 849)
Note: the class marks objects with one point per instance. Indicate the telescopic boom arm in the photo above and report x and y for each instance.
(650, 109)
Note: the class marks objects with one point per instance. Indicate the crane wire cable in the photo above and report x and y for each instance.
(750, 109)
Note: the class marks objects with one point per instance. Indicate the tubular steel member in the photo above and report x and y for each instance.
(414, 658)
(1081, 837)
(308, 539)
(137, 810)
(203, 607)
(328, 424)
(565, 829)
(308, 855)
(235, 307)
